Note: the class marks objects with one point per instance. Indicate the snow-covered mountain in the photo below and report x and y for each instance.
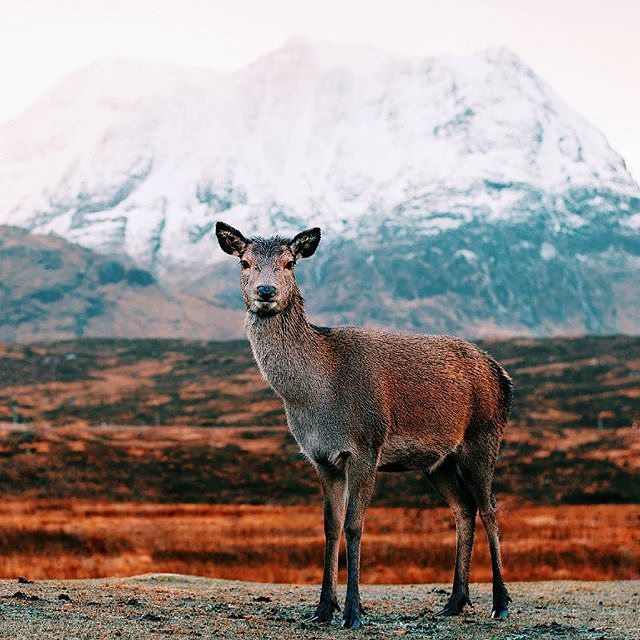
(462, 186)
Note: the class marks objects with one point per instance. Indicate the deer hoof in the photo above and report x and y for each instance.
(454, 605)
(324, 612)
(352, 622)
(500, 614)
(321, 616)
(351, 618)
(500, 609)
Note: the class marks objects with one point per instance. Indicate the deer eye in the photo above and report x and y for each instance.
(289, 265)
(244, 264)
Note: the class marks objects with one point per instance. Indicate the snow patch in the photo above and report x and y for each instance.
(633, 222)
(147, 157)
(467, 254)
(548, 251)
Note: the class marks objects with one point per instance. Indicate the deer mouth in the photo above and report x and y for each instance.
(264, 306)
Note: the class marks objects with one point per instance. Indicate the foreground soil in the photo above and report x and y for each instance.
(162, 605)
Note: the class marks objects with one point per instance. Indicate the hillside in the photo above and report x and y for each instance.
(51, 287)
(456, 193)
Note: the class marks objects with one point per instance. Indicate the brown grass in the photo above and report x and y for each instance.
(74, 539)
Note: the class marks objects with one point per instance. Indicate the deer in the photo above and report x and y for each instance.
(359, 401)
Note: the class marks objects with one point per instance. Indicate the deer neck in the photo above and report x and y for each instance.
(288, 351)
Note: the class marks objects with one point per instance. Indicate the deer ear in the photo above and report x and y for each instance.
(231, 240)
(305, 243)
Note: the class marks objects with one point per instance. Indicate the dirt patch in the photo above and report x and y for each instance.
(162, 605)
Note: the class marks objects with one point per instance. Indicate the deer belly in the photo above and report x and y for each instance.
(407, 453)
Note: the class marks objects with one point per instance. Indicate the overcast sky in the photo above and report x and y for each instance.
(588, 50)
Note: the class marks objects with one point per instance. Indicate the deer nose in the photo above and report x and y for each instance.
(266, 291)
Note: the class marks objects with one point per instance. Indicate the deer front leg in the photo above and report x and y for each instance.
(361, 476)
(334, 490)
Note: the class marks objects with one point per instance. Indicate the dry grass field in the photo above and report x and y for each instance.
(120, 457)
(79, 539)
(262, 465)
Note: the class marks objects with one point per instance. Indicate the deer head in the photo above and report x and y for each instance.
(267, 266)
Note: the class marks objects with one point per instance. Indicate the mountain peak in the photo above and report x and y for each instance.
(500, 54)
(323, 56)
(418, 155)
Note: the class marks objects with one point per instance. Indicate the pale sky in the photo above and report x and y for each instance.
(588, 50)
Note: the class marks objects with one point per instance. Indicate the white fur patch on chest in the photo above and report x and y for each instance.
(309, 441)
(323, 446)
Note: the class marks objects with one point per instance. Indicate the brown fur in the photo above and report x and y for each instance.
(359, 400)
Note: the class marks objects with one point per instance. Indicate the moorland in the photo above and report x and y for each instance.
(126, 456)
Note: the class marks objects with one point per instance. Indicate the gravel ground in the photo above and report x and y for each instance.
(167, 605)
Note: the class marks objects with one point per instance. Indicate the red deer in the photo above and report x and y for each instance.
(360, 401)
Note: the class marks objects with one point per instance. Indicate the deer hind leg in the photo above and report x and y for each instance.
(501, 598)
(448, 483)
(361, 477)
(477, 468)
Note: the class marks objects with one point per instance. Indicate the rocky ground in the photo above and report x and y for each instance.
(168, 605)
